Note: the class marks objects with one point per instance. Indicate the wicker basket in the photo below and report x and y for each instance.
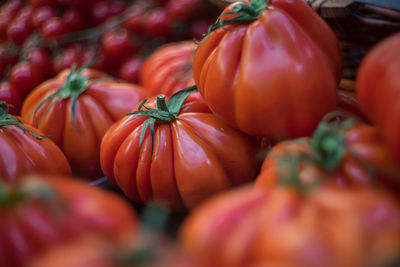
(358, 24)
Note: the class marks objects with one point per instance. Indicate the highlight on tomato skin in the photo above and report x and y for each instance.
(75, 109)
(44, 211)
(268, 71)
(180, 159)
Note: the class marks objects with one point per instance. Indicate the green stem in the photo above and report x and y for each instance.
(7, 119)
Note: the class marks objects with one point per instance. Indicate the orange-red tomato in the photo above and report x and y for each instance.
(195, 155)
(378, 89)
(349, 156)
(23, 152)
(78, 128)
(42, 212)
(274, 76)
(282, 227)
(169, 69)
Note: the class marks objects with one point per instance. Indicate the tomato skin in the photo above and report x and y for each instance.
(69, 56)
(7, 13)
(41, 15)
(191, 160)
(25, 77)
(53, 28)
(99, 106)
(129, 70)
(76, 210)
(21, 26)
(157, 23)
(11, 96)
(21, 153)
(282, 227)
(168, 69)
(250, 75)
(117, 46)
(364, 147)
(74, 20)
(40, 59)
(378, 90)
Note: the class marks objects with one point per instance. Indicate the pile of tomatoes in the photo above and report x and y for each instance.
(251, 133)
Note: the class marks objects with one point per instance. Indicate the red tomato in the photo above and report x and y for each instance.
(169, 68)
(129, 70)
(41, 15)
(183, 8)
(24, 150)
(378, 89)
(116, 7)
(7, 13)
(7, 58)
(157, 23)
(53, 28)
(117, 46)
(194, 155)
(348, 155)
(70, 56)
(24, 77)
(100, 12)
(74, 20)
(40, 59)
(275, 76)
(80, 113)
(327, 227)
(21, 26)
(42, 212)
(11, 96)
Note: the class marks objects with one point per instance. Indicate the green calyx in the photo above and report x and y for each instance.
(7, 119)
(166, 112)
(329, 143)
(74, 85)
(246, 13)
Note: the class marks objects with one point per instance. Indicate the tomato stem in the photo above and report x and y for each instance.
(7, 119)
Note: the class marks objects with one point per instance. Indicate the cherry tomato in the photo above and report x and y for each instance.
(183, 8)
(7, 13)
(158, 23)
(42, 15)
(198, 29)
(11, 96)
(53, 28)
(67, 58)
(74, 20)
(92, 58)
(130, 69)
(117, 46)
(116, 7)
(7, 58)
(24, 77)
(41, 3)
(21, 26)
(40, 59)
(100, 12)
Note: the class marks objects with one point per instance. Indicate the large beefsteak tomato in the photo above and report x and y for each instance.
(330, 226)
(189, 154)
(378, 89)
(41, 212)
(269, 68)
(75, 109)
(23, 149)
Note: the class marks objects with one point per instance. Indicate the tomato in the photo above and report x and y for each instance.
(24, 77)
(41, 15)
(53, 28)
(183, 8)
(74, 20)
(283, 227)
(117, 46)
(378, 90)
(81, 108)
(100, 12)
(198, 28)
(11, 96)
(168, 69)
(349, 155)
(42, 212)
(41, 60)
(129, 70)
(116, 7)
(347, 98)
(191, 155)
(274, 76)
(157, 23)
(21, 26)
(8, 56)
(23, 149)
(69, 56)
(7, 13)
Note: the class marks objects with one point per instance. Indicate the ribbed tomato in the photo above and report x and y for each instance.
(283, 227)
(348, 154)
(75, 109)
(23, 149)
(168, 69)
(269, 68)
(188, 156)
(42, 212)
